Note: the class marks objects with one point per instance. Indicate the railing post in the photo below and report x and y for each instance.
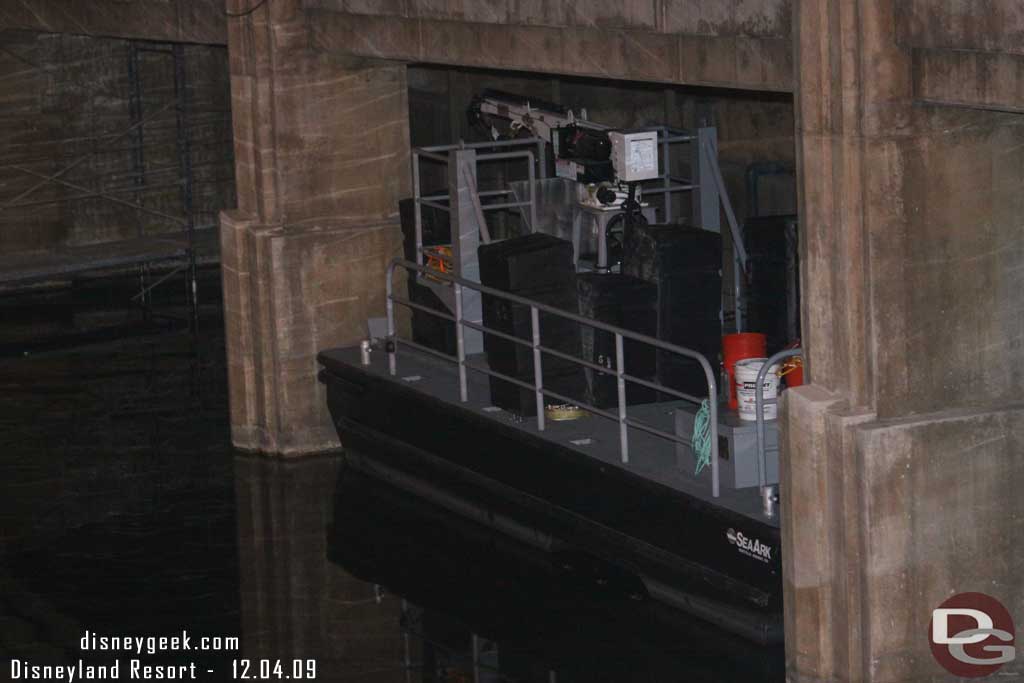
(620, 381)
(460, 343)
(538, 376)
(390, 306)
(533, 193)
(417, 209)
(759, 403)
(668, 175)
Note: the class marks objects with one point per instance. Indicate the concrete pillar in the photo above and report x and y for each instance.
(322, 157)
(903, 460)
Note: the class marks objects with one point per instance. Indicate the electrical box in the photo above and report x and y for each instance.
(635, 155)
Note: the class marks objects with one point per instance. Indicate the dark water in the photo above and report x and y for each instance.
(124, 511)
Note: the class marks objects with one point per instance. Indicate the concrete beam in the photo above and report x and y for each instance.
(179, 21)
(754, 62)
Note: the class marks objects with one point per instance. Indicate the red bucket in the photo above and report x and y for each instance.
(737, 347)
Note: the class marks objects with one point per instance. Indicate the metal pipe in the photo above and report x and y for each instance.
(673, 188)
(425, 349)
(390, 343)
(427, 154)
(533, 194)
(479, 145)
(460, 343)
(418, 217)
(425, 309)
(485, 193)
(620, 381)
(440, 207)
(667, 179)
(499, 156)
(538, 376)
(492, 373)
(507, 205)
(759, 403)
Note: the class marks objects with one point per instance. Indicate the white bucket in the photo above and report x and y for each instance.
(746, 383)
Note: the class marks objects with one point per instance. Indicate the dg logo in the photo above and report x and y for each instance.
(972, 635)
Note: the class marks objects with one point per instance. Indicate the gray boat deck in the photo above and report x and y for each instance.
(595, 436)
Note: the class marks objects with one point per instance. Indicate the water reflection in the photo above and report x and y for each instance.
(382, 586)
(124, 511)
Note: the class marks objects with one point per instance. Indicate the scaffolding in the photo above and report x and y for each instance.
(178, 238)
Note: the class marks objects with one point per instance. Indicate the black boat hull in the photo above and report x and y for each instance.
(681, 548)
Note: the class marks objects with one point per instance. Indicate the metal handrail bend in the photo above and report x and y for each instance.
(536, 307)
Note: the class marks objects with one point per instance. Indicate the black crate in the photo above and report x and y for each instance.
(431, 330)
(685, 264)
(626, 302)
(556, 332)
(654, 252)
(530, 262)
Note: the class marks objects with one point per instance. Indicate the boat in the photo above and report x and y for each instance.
(665, 490)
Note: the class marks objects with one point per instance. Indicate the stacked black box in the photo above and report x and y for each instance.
(773, 298)
(427, 329)
(538, 267)
(623, 301)
(686, 265)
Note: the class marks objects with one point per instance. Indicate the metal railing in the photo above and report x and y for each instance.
(440, 154)
(767, 492)
(666, 138)
(619, 372)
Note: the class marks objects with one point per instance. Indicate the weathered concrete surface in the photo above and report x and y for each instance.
(322, 157)
(965, 53)
(902, 461)
(180, 21)
(888, 518)
(290, 292)
(735, 45)
(985, 80)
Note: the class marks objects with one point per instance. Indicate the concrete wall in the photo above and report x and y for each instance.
(902, 460)
(181, 21)
(66, 101)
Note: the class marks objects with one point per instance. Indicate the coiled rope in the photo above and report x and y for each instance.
(700, 441)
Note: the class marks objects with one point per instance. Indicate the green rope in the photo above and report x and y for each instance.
(701, 439)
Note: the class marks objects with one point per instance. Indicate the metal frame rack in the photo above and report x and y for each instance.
(144, 250)
(466, 206)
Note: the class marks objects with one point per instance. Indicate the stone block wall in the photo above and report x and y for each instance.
(902, 460)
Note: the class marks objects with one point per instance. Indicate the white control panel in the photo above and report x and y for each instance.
(635, 155)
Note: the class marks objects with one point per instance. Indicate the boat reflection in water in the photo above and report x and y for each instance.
(378, 585)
